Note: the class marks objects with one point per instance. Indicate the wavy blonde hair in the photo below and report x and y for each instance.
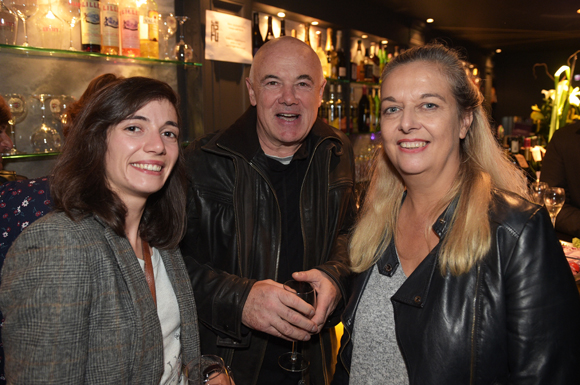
(483, 168)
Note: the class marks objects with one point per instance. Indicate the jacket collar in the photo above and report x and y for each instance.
(242, 137)
(415, 289)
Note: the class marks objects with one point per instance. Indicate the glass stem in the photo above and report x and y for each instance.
(553, 218)
(294, 354)
(70, 46)
(25, 33)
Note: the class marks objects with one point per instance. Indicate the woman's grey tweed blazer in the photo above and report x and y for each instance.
(78, 309)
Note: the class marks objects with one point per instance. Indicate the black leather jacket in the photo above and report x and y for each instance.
(234, 229)
(512, 319)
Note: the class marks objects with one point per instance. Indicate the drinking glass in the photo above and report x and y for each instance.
(167, 28)
(8, 25)
(537, 191)
(554, 199)
(69, 11)
(18, 110)
(182, 51)
(207, 370)
(45, 138)
(294, 361)
(50, 28)
(25, 9)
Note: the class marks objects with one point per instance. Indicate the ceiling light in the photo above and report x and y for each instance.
(498, 50)
(429, 20)
(314, 23)
(281, 14)
(578, 11)
(364, 36)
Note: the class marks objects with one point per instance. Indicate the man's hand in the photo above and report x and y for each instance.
(271, 309)
(328, 294)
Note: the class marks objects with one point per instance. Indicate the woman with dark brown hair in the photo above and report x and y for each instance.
(96, 291)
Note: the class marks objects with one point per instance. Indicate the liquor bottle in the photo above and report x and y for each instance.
(270, 33)
(110, 27)
(283, 27)
(373, 121)
(377, 107)
(375, 62)
(331, 107)
(307, 34)
(340, 112)
(323, 109)
(364, 112)
(257, 39)
(383, 58)
(355, 64)
(322, 56)
(149, 29)
(129, 15)
(341, 57)
(368, 67)
(90, 26)
(331, 55)
(353, 112)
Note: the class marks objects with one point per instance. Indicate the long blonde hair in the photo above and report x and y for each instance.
(483, 168)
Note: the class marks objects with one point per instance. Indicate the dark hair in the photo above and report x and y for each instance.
(5, 114)
(79, 185)
(76, 107)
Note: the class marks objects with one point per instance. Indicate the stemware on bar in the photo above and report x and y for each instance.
(69, 11)
(25, 9)
(8, 25)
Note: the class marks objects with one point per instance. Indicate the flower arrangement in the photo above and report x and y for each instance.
(561, 104)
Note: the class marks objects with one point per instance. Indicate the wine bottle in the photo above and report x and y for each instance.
(353, 112)
(149, 29)
(270, 33)
(340, 57)
(376, 69)
(330, 54)
(377, 107)
(373, 119)
(129, 14)
(356, 62)
(364, 112)
(110, 27)
(340, 112)
(331, 106)
(90, 26)
(283, 27)
(257, 39)
(323, 110)
(307, 34)
(368, 67)
(322, 56)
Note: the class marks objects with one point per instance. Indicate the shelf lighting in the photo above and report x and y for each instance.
(281, 14)
(384, 42)
(314, 23)
(430, 20)
(364, 36)
(498, 50)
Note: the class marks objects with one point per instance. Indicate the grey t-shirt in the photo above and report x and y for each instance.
(376, 358)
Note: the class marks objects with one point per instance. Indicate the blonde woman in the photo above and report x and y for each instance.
(461, 279)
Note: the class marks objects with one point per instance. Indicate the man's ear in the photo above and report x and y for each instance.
(251, 92)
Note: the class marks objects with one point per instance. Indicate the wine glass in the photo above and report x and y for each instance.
(8, 25)
(18, 110)
(25, 9)
(182, 51)
(167, 27)
(537, 191)
(554, 199)
(50, 28)
(45, 138)
(69, 11)
(294, 361)
(207, 370)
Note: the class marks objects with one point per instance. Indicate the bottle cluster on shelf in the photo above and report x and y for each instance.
(113, 27)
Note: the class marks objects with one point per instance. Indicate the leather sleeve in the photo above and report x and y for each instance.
(543, 308)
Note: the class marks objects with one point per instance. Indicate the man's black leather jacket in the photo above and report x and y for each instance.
(234, 229)
(512, 319)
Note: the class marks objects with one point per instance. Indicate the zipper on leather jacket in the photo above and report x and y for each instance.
(473, 328)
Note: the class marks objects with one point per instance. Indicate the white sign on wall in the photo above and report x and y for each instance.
(227, 38)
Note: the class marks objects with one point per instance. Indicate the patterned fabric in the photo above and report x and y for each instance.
(78, 308)
(21, 203)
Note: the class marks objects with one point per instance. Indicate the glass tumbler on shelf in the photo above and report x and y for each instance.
(8, 25)
(554, 199)
(50, 28)
(25, 9)
(182, 51)
(69, 11)
(18, 109)
(167, 28)
(537, 192)
(45, 138)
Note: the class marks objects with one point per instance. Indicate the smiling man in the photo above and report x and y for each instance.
(271, 199)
